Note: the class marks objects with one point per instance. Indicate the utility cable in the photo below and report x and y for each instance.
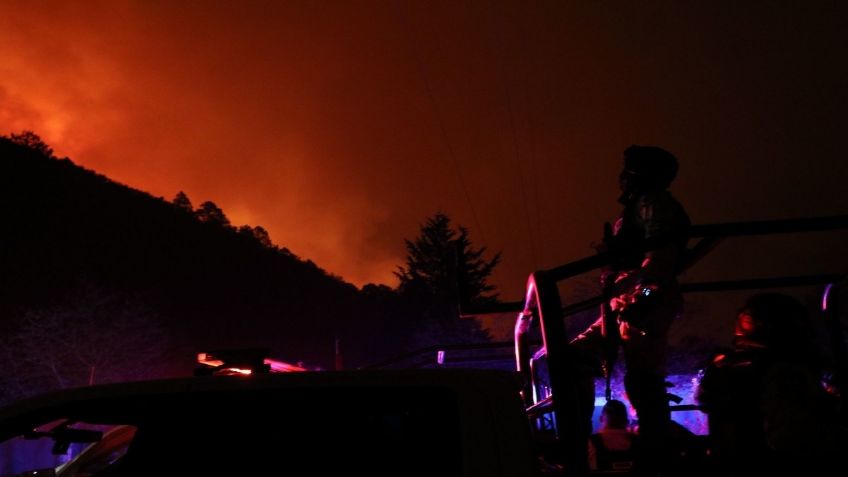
(429, 89)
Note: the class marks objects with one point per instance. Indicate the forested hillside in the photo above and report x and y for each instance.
(102, 282)
(70, 233)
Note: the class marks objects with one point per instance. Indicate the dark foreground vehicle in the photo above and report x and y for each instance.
(434, 423)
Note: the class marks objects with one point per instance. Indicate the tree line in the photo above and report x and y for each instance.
(102, 282)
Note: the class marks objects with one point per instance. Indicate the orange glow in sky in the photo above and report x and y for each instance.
(339, 127)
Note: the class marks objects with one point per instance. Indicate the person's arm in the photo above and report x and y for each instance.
(591, 336)
(665, 223)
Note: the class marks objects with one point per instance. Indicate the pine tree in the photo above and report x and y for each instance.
(182, 202)
(442, 270)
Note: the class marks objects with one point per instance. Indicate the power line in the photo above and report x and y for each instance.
(516, 148)
(429, 89)
(531, 124)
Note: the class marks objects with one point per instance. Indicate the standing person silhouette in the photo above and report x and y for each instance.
(648, 245)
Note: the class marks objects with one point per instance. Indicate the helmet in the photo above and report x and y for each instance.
(650, 165)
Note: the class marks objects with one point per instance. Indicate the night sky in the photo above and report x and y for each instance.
(340, 126)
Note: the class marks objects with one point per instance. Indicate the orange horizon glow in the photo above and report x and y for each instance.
(341, 127)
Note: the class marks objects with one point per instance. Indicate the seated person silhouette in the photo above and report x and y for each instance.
(612, 447)
(767, 409)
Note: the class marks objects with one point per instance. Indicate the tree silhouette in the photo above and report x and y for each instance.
(259, 234)
(182, 202)
(262, 236)
(33, 141)
(208, 212)
(442, 270)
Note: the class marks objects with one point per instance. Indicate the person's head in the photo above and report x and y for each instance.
(647, 168)
(614, 415)
(771, 320)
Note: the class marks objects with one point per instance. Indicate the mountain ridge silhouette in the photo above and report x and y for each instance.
(214, 286)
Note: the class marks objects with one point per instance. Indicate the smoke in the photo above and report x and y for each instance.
(341, 127)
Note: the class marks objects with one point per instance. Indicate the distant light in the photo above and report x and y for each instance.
(204, 358)
(282, 367)
(440, 357)
(243, 372)
(274, 365)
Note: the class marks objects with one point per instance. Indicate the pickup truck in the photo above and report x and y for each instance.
(410, 422)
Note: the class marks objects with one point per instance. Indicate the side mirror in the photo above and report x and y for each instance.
(65, 436)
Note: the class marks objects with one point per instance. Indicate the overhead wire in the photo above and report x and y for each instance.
(531, 126)
(514, 134)
(439, 118)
